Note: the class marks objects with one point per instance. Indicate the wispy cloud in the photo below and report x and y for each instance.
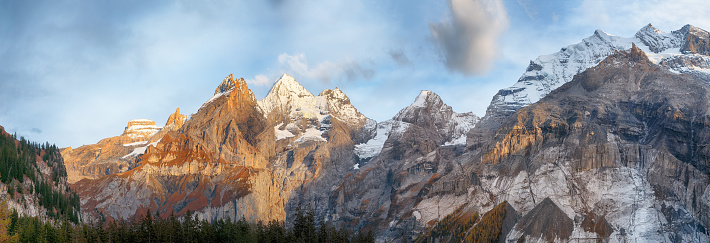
(469, 39)
(626, 17)
(260, 80)
(399, 57)
(528, 7)
(326, 71)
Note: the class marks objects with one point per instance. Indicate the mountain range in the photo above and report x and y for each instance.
(606, 139)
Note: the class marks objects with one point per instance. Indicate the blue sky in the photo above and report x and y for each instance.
(74, 72)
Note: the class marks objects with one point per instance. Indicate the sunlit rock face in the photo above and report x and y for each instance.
(623, 143)
(604, 140)
(238, 157)
(685, 50)
(117, 154)
(618, 153)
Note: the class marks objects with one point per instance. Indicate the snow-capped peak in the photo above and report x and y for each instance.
(549, 72)
(428, 109)
(140, 128)
(340, 107)
(649, 28)
(603, 35)
(289, 84)
(425, 99)
(421, 99)
(226, 85)
(284, 91)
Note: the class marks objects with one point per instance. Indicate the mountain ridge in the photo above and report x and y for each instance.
(622, 144)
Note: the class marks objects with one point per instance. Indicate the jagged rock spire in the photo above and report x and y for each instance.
(226, 85)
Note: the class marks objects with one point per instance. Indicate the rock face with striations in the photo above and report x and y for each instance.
(239, 157)
(604, 140)
(549, 72)
(619, 143)
(618, 153)
(116, 154)
(414, 150)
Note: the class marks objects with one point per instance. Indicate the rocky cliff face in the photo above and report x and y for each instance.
(428, 112)
(33, 180)
(616, 154)
(604, 140)
(117, 154)
(412, 156)
(685, 50)
(239, 157)
(622, 147)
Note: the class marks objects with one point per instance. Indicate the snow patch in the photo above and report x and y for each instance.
(461, 140)
(549, 72)
(373, 146)
(282, 134)
(140, 150)
(420, 101)
(216, 96)
(135, 143)
(311, 134)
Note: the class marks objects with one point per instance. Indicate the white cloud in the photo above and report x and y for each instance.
(626, 17)
(469, 40)
(259, 80)
(529, 7)
(326, 71)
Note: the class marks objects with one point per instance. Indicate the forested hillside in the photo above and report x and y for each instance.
(35, 180)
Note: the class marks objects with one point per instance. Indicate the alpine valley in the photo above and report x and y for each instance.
(606, 140)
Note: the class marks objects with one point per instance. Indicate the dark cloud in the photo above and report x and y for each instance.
(469, 39)
(399, 57)
(35, 130)
(354, 71)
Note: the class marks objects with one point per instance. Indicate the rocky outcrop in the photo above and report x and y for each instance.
(656, 40)
(416, 145)
(696, 40)
(140, 129)
(609, 146)
(428, 118)
(622, 123)
(547, 222)
(34, 181)
(549, 72)
(238, 157)
(617, 154)
(117, 154)
(175, 120)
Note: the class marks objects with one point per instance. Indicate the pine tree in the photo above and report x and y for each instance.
(8, 220)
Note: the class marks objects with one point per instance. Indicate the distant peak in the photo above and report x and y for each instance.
(635, 54)
(601, 34)
(286, 76)
(289, 84)
(288, 80)
(140, 128)
(226, 85)
(690, 30)
(635, 50)
(649, 28)
(424, 98)
(176, 118)
(688, 26)
(334, 93)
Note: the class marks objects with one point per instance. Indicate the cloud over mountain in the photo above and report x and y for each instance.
(468, 40)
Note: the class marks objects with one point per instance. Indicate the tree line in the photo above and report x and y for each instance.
(154, 228)
(18, 163)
